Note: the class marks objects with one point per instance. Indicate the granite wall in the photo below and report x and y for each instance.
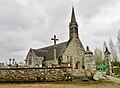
(35, 74)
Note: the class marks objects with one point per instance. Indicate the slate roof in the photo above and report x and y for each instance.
(48, 52)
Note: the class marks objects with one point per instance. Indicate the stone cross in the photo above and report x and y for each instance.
(10, 61)
(13, 61)
(54, 39)
(108, 62)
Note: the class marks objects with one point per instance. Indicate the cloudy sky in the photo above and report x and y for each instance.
(26, 24)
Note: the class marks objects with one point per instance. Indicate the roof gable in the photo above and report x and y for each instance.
(48, 52)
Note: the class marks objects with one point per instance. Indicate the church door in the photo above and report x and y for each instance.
(77, 65)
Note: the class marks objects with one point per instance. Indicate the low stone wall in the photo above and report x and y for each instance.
(35, 74)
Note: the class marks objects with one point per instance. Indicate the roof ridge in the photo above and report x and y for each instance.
(51, 45)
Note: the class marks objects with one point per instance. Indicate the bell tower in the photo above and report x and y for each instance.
(73, 27)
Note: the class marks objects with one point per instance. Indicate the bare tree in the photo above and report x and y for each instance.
(97, 53)
(104, 46)
(113, 50)
(118, 43)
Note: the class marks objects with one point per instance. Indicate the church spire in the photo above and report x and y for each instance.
(73, 27)
(73, 19)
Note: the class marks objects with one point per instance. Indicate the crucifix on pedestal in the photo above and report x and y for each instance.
(13, 61)
(10, 61)
(54, 39)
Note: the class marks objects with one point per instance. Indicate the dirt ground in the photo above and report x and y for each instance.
(61, 85)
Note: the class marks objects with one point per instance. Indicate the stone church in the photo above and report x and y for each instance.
(70, 52)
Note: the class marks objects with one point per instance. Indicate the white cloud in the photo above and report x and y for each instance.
(28, 24)
(103, 25)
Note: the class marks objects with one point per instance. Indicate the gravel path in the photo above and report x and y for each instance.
(102, 85)
(116, 80)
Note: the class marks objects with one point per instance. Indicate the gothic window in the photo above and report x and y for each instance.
(83, 62)
(76, 31)
(77, 65)
(83, 66)
(30, 59)
(71, 61)
(59, 61)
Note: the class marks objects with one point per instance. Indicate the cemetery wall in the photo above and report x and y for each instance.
(35, 74)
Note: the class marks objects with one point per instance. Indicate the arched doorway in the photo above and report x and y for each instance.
(77, 65)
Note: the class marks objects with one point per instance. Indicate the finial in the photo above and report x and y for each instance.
(87, 48)
(72, 7)
(73, 19)
(106, 51)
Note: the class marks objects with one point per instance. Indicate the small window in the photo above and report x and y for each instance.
(76, 31)
(71, 62)
(83, 66)
(30, 59)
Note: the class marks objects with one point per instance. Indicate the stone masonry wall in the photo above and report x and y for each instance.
(75, 51)
(35, 74)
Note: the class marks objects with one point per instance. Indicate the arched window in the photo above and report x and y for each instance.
(77, 65)
(71, 61)
(30, 59)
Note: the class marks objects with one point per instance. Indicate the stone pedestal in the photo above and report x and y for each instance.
(89, 62)
(108, 62)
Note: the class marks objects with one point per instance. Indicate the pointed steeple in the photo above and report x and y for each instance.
(73, 27)
(73, 19)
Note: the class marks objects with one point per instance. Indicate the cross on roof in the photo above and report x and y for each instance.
(54, 39)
